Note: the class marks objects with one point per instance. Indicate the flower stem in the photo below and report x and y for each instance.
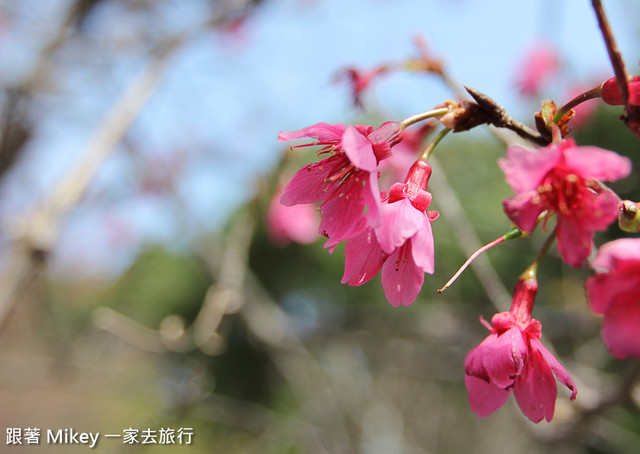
(423, 116)
(435, 141)
(556, 133)
(511, 234)
(545, 248)
(582, 97)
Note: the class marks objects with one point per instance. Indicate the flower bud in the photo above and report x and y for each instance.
(612, 96)
(629, 216)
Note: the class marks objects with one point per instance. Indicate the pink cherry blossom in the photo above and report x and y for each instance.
(298, 223)
(402, 245)
(538, 65)
(346, 182)
(564, 179)
(614, 291)
(512, 358)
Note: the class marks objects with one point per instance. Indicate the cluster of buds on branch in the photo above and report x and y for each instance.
(555, 180)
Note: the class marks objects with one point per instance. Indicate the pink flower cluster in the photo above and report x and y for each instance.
(389, 233)
(402, 245)
(392, 235)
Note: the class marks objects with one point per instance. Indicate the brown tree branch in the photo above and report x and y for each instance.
(622, 77)
(37, 230)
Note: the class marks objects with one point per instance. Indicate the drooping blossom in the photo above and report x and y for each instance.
(614, 291)
(298, 223)
(359, 81)
(536, 68)
(512, 358)
(564, 179)
(403, 243)
(346, 182)
(425, 61)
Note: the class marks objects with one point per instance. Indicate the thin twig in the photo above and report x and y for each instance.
(451, 209)
(499, 118)
(39, 227)
(631, 113)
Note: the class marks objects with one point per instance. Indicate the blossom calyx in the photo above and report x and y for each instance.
(463, 116)
(387, 135)
(415, 187)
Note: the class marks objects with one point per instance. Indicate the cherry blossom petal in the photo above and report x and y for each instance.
(363, 258)
(297, 223)
(473, 363)
(371, 196)
(601, 291)
(615, 253)
(557, 368)
(504, 357)
(634, 91)
(401, 279)
(400, 221)
(341, 219)
(521, 210)
(598, 163)
(524, 169)
(321, 131)
(603, 212)
(535, 390)
(484, 398)
(620, 330)
(309, 184)
(359, 150)
(423, 248)
(574, 242)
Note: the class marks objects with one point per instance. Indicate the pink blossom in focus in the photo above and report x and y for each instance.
(512, 358)
(298, 223)
(402, 245)
(563, 179)
(537, 67)
(614, 291)
(346, 182)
